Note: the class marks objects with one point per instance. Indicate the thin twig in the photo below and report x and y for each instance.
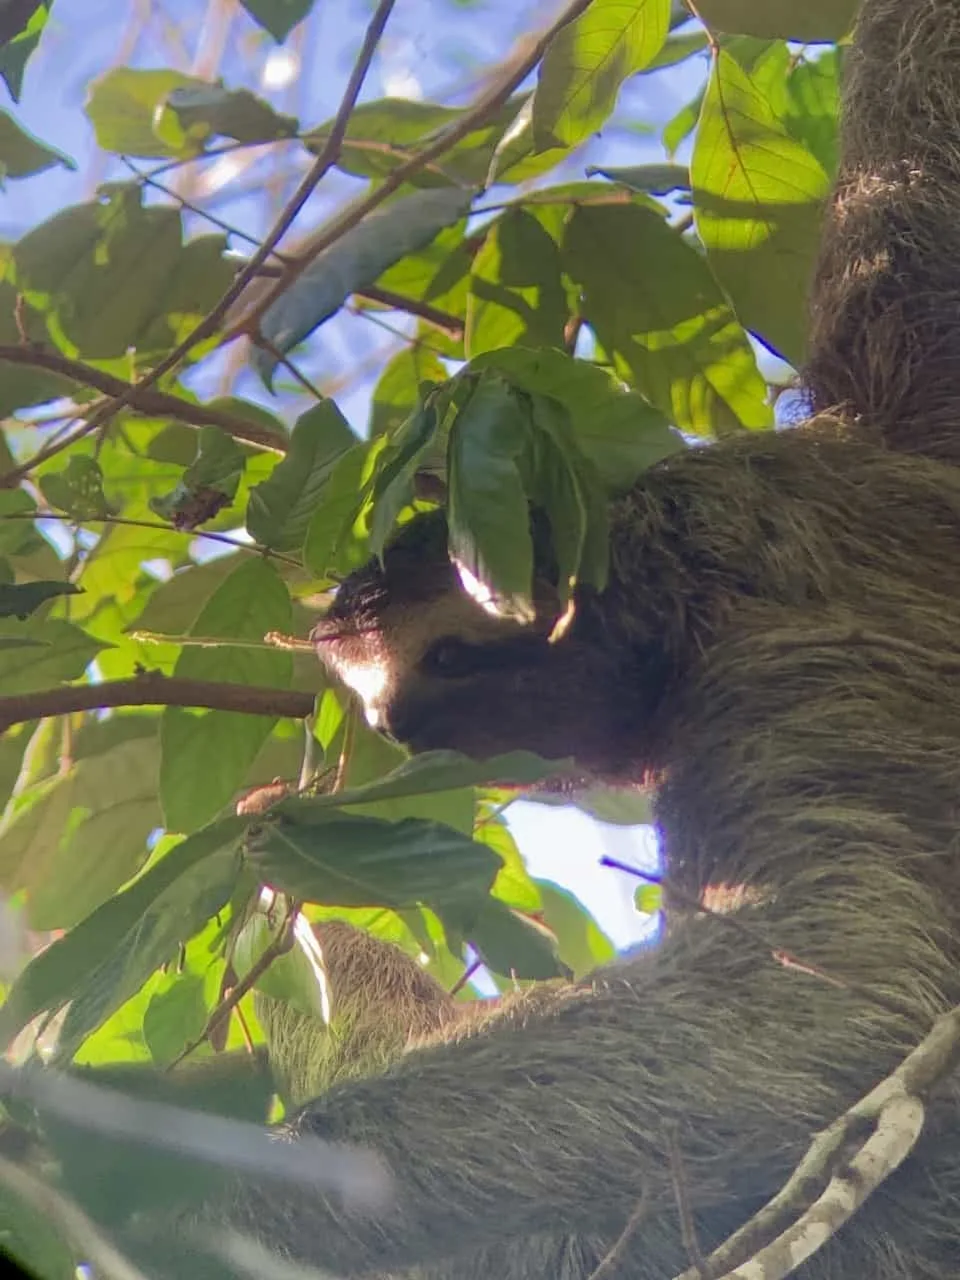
(756, 936)
(153, 689)
(224, 539)
(325, 161)
(681, 1193)
(516, 70)
(280, 945)
(156, 404)
(613, 1255)
(443, 320)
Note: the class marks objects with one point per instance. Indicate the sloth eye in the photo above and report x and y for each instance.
(450, 658)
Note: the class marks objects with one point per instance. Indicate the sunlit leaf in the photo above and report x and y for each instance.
(208, 484)
(280, 509)
(77, 489)
(206, 754)
(510, 943)
(587, 62)
(106, 957)
(125, 104)
(656, 306)
(581, 942)
(115, 275)
(757, 197)
(516, 288)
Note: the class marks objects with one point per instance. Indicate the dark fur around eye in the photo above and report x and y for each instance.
(451, 658)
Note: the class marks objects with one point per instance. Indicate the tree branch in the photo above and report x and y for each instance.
(515, 71)
(154, 403)
(152, 689)
(443, 320)
(325, 161)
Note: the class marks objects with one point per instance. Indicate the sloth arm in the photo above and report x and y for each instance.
(551, 1118)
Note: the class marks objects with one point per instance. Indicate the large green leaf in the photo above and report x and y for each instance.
(114, 275)
(53, 651)
(619, 431)
(758, 195)
(125, 106)
(517, 293)
(487, 507)
(280, 509)
(657, 308)
(587, 62)
(341, 859)
(802, 20)
(210, 110)
(106, 957)
(356, 259)
(510, 943)
(73, 841)
(206, 754)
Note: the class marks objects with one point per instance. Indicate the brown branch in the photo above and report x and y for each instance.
(516, 70)
(325, 161)
(154, 403)
(443, 320)
(152, 689)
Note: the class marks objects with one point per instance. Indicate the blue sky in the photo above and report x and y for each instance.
(433, 48)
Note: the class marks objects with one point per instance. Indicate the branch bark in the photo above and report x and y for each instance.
(152, 689)
(155, 403)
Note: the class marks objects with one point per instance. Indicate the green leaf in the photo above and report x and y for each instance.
(77, 489)
(125, 105)
(582, 943)
(340, 859)
(19, 600)
(657, 308)
(107, 957)
(175, 1018)
(648, 898)
(280, 509)
(20, 29)
(512, 944)
(114, 276)
(620, 432)
(21, 154)
(55, 651)
(487, 509)
(206, 755)
(400, 386)
(292, 977)
(393, 488)
(74, 840)
(587, 62)
(210, 110)
(651, 179)
(433, 771)
(208, 485)
(517, 293)
(812, 107)
(279, 17)
(359, 256)
(806, 21)
(758, 196)
(332, 542)
(30, 1237)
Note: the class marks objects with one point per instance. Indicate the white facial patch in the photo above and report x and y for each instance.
(368, 680)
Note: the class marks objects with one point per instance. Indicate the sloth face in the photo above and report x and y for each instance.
(434, 669)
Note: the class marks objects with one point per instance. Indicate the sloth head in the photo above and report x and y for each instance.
(435, 669)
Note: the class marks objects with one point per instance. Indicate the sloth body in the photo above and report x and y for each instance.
(779, 650)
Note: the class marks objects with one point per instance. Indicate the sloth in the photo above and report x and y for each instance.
(777, 651)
